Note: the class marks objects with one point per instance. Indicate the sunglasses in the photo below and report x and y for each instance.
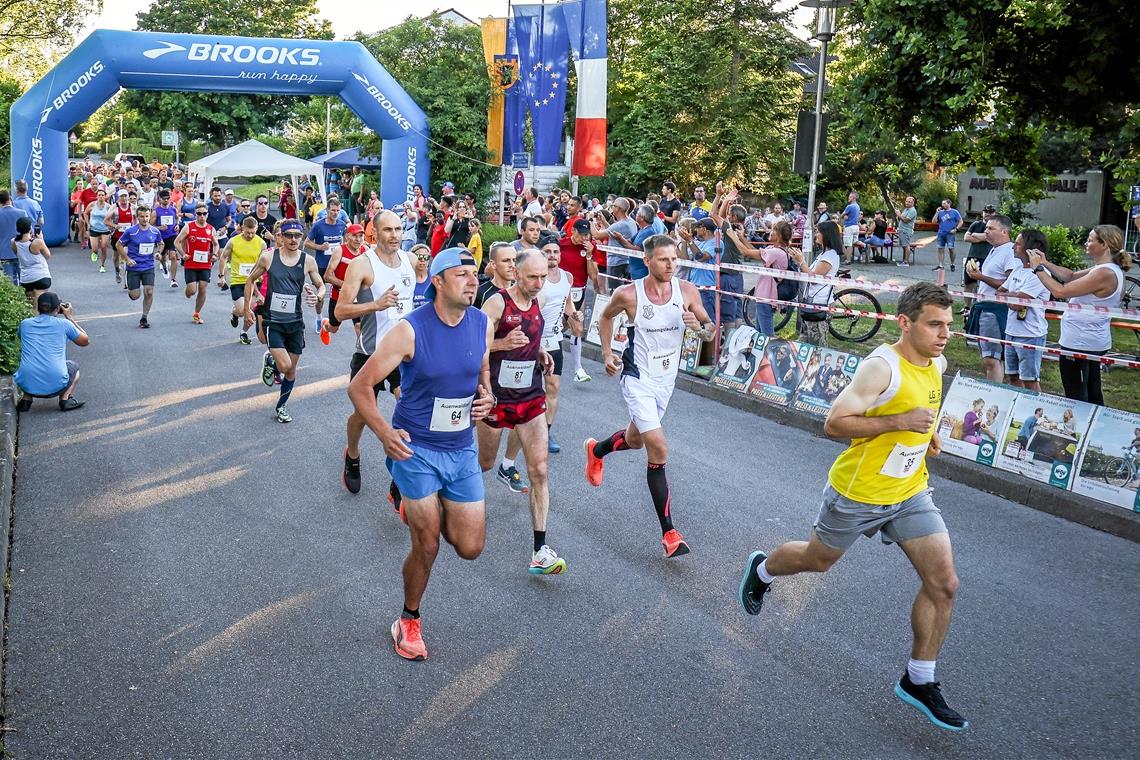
(199, 213)
(263, 203)
(245, 205)
(293, 235)
(423, 256)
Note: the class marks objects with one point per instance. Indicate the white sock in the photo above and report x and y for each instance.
(921, 671)
(508, 463)
(576, 352)
(762, 572)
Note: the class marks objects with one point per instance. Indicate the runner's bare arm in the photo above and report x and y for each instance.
(575, 317)
(1102, 282)
(484, 399)
(695, 316)
(847, 418)
(315, 278)
(224, 257)
(330, 271)
(624, 301)
(397, 346)
(259, 268)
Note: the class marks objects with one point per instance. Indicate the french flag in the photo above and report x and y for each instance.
(586, 27)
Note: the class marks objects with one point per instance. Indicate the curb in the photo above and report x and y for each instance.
(8, 423)
(1040, 496)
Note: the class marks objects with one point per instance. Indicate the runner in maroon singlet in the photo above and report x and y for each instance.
(334, 273)
(518, 363)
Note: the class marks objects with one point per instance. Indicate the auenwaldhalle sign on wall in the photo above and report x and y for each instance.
(109, 60)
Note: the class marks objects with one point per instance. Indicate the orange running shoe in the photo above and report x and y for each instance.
(595, 468)
(674, 543)
(197, 319)
(407, 640)
(326, 336)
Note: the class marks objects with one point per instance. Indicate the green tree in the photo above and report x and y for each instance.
(985, 82)
(28, 23)
(442, 68)
(700, 92)
(224, 119)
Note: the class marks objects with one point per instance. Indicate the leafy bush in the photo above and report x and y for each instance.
(930, 194)
(13, 308)
(162, 155)
(1062, 249)
(90, 146)
(495, 233)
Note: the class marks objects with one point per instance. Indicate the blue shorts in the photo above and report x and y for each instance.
(1024, 362)
(454, 475)
(945, 239)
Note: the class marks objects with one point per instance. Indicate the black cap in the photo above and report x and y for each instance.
(48, 303)
(705, 223)
(989, 208)
(582, 226)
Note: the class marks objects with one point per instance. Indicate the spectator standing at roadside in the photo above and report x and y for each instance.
(45, 371)
(773, 256)
(850, 219)
(700, 245)
(1085, 331)
(700, 207)
(988, 318)
(821, 214)
(905, 229)
(730, 215)
(359, 195)
(531, 205)
(1025, 324)
(949, 222)
(28, 205)
(8, 216)
(979, 248)
(617, 266)
(813, 323)
(669, 205)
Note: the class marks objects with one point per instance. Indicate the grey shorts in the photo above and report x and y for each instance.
(841, 520)
(904, 237)
(988, 328)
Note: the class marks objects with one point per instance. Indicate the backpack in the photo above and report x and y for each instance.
(788, 289)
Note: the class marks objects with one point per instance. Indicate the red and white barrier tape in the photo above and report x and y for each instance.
(890, 287)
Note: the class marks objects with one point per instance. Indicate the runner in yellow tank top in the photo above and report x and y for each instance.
(234, 266)
(879, 484)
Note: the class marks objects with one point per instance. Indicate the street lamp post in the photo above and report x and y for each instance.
(120, 133)
(824, 32)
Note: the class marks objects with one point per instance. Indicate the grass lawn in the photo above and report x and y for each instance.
(254, 190)
(1121, 385)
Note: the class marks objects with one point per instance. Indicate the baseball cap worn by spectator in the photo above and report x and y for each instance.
(448, 258)
(989, 208)
(582, 227)
(354, 229)
(706, 223)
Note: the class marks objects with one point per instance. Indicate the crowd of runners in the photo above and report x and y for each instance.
(468, 357)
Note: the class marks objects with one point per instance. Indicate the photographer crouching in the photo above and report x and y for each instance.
(45, 371)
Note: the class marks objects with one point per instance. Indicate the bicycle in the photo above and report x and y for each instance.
(1120, 471)
(853, 328)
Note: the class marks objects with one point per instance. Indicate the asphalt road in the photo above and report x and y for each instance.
(189, 580)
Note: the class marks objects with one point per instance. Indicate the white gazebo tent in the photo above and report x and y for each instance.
(254, 159)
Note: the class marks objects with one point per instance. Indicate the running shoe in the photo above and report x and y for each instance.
(326, 336)
(951, 267)
(552, 446)
(233, 320)
(118, 277)
(595, 467)
(102, 270)
(320, 324)
(268, 369)
(174, 283)
(94, 257)
(513, 480)
(166, 273)
(24, 404)
(143, 323)
(407, 640)
(351, 475)
(283, 415)
(580, 376)
(752, 589)
(546, 562)
(197, 319)
(244, 339)
(903, 264)
(935, 269)
(674, 543)
(927, 699)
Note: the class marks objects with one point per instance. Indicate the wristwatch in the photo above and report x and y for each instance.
(1040, 268)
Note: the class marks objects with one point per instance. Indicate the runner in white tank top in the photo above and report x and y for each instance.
(378, 289)
(558, 309)
(660, 308)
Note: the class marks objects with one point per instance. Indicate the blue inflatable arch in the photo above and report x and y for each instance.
(109, 60)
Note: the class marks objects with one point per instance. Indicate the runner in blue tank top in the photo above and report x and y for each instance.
(442, 351)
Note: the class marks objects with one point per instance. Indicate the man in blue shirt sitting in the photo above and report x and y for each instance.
(45, 371)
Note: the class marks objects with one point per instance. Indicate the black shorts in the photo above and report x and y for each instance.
(94, 234)
(334, 322)
(168, 245)
(41, 284)
(390, 383)
(556, 354)
(196, 275)
(289, 336)
(237, 292)
(135, 279)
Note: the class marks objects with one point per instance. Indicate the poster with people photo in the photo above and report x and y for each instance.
(1109, 466)
(739, 358)
(619, 338)
(781, 370)
(691, 353)
(827, 373)
(1043, 438)
(975, 414)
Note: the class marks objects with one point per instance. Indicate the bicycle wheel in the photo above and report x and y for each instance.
(1130, 295)
(1117, 473)
(856, 327)
(750, 310)
(780, 316)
